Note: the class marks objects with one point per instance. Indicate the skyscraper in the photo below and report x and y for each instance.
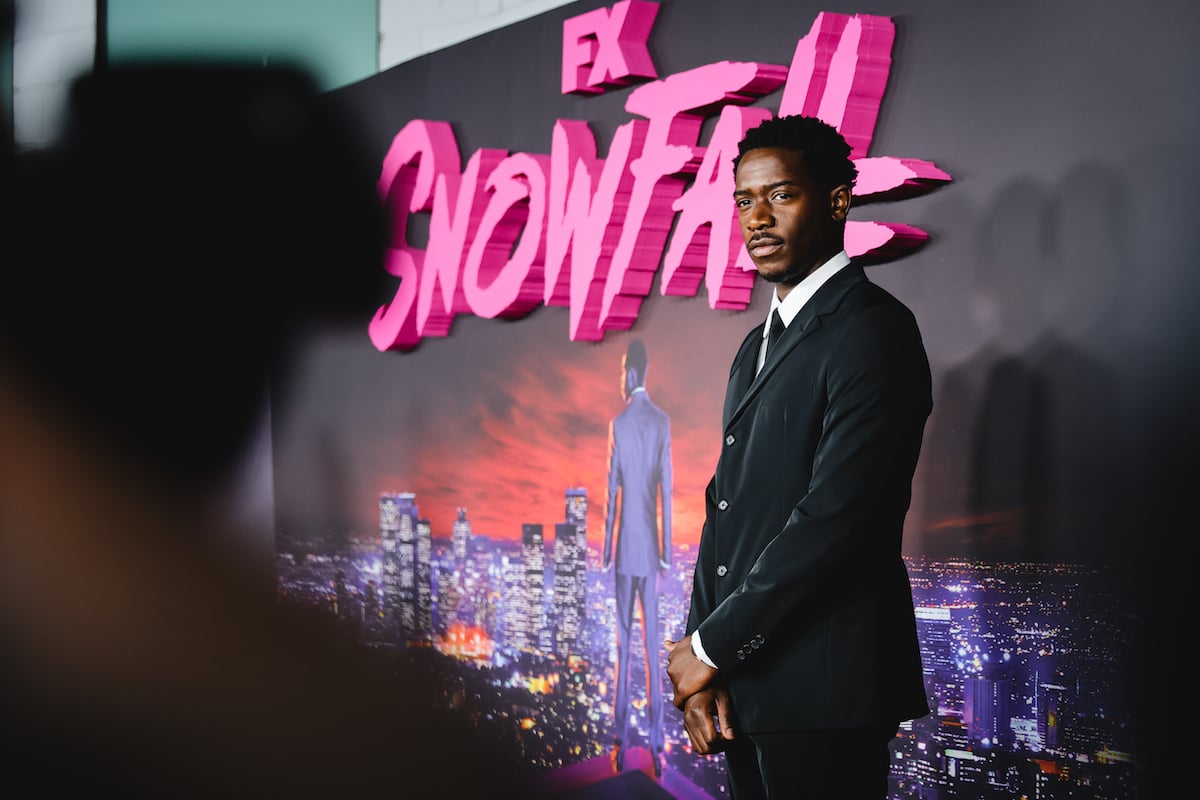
(397, 533)
(577, 508)
(461, 537)
(570, 575)
(564, 612)
(986, 711)
(514, 615)
(1052, 703)
(460, 547)
(477, 583)
(449, 598)
(943, 682)
(530, 607)
(347, 608)
(424, 579)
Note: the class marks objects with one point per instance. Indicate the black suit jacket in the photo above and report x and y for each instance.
(800, 593)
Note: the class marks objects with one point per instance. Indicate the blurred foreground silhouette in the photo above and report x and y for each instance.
(163, 261)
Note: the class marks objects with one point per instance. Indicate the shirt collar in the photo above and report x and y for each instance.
(802, 292)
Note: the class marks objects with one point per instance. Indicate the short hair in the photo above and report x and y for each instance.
(637, 359)
(822, 149)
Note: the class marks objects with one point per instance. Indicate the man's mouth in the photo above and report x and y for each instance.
(763, 246)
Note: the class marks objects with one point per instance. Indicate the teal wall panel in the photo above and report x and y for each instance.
(336, 40)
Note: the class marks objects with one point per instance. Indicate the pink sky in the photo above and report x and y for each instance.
(540, 426)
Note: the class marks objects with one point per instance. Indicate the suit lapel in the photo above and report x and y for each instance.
(824, 303)
(742, 374)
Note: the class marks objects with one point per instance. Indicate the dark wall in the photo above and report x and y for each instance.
(1054, 293)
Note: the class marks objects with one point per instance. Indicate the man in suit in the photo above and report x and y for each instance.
(801, 657)
(639, 471)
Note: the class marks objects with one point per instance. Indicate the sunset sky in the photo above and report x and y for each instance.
(537, 429)
(500, 417)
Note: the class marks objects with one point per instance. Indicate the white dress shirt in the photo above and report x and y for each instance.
(798, 297)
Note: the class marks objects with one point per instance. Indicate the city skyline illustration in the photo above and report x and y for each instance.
(1025, 663)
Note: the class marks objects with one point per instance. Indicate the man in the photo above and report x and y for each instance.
(639, 471)
(167, 256)
(801, 635)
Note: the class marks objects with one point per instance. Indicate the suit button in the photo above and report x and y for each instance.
(729, 439)
(741, 656)
(724, 504)
(759, 639)
(721, 570)
(754, 645)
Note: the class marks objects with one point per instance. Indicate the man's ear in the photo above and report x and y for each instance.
(839, 202)
(631, 379)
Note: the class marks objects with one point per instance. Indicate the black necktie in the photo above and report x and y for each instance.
(777, 329)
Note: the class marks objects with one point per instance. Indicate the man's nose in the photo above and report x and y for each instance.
(760, 217)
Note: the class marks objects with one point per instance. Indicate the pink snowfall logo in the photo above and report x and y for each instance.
(508, 232)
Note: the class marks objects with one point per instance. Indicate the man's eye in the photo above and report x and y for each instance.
(780, 196)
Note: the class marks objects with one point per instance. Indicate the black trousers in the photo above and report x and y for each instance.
(844, 763)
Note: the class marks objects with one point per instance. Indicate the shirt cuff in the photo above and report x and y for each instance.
(698, 649)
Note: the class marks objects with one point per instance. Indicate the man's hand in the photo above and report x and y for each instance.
(663, 565)
(698, 713)
(688, 674)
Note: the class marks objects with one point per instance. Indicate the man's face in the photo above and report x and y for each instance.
(789, 225)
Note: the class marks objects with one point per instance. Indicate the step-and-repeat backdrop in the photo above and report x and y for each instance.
(560, 188)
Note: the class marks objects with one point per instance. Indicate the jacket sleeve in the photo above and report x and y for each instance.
(614, 483)
(665, 483)
(703, 599)
(703, 590)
